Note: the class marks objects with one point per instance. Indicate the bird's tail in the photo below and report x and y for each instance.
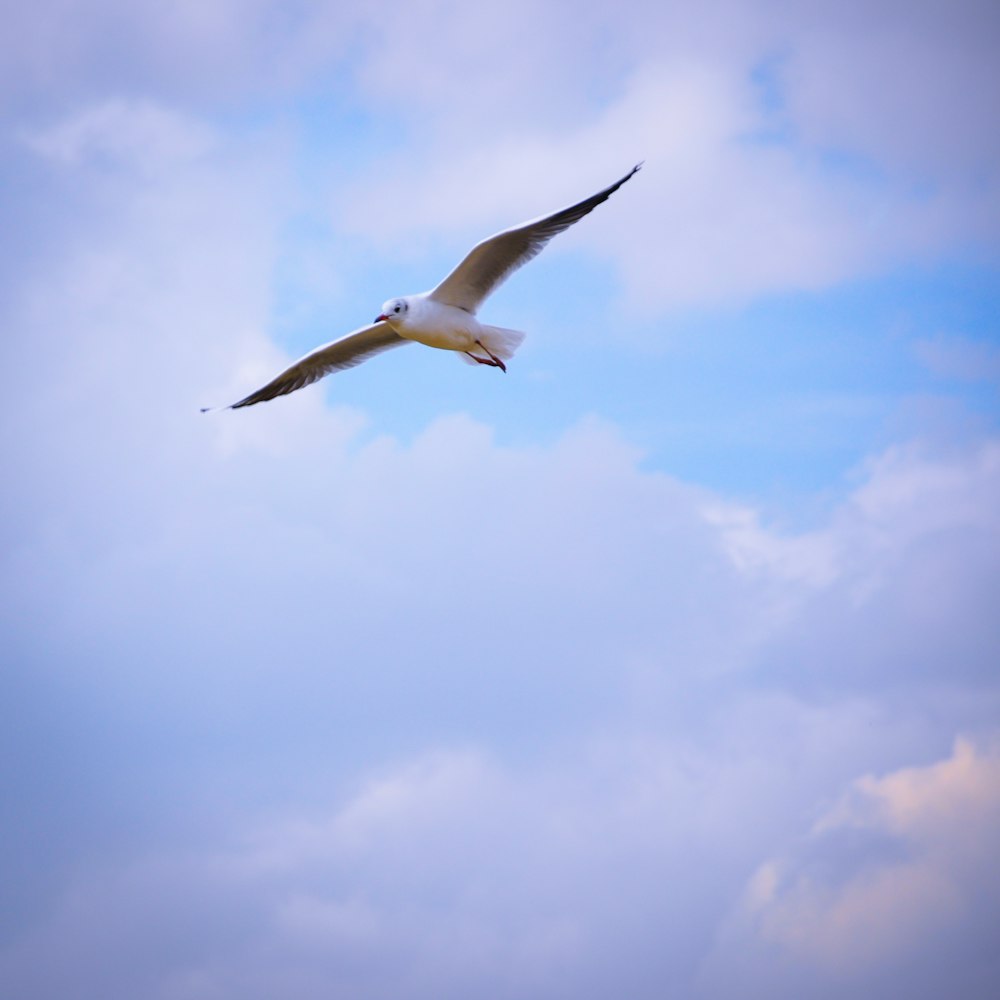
(500, 342)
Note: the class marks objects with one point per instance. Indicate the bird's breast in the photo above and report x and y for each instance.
(439, 325)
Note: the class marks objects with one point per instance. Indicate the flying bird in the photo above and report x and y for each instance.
(446, 316)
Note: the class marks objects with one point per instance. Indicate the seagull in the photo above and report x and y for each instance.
(446, 316)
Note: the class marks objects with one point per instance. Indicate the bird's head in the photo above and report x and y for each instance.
(393, 311)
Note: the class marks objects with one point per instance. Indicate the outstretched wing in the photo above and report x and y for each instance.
(344, 353)
(491, 262)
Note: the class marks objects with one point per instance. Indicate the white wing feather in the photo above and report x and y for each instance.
(336, 356)
(492, 261)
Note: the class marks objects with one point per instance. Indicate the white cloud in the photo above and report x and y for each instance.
(498, 705)
(899, 872)
(497, 116)
(127, 133)
(610, 860)
(300, 707)
(738, 199)
(712, 217)
(57, 54)
(906, 84)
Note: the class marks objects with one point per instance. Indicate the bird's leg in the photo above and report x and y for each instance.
(495, 361)
(481, 361)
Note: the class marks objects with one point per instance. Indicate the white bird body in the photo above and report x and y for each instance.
(450, 328)
(436, 324)
(444, 317)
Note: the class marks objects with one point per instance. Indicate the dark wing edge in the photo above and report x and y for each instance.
(333, 357)
(495, 259)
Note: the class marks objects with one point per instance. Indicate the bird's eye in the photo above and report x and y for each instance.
(396, 309)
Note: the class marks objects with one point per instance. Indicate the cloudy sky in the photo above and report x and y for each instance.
(666, 665)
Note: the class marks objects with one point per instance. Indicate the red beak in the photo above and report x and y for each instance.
(381, 317)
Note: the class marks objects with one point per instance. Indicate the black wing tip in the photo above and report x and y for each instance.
(629, 175)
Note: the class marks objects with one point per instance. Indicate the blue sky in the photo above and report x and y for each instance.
(665, 664)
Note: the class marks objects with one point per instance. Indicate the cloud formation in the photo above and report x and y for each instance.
(890, 878)
(575, 711)
(393, 688)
